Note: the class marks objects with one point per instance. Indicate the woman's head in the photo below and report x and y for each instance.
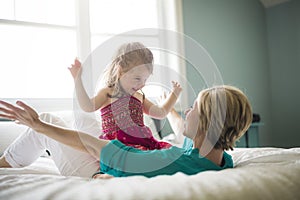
(130, 58)
(224, 115)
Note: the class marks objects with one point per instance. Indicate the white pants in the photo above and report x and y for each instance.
(70, 162)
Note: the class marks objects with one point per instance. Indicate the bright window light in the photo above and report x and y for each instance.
(40, 39)
(59, 12)
(115, 16)
(7, 9)
(35, 61)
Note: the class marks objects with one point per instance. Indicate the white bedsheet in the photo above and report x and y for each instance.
(259, 173)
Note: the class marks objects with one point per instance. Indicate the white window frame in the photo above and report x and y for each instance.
(82, 27)
(171, 18)
(42, 104)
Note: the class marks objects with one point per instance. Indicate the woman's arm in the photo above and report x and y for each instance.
(161, 111)
(23, 114)
(177, 125)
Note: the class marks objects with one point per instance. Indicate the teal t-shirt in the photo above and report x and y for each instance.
(120, 160)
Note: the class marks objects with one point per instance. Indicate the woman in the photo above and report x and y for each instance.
(220, 115)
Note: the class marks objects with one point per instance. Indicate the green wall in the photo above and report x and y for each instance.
(235, 35)
(258, 50)
(283, 26)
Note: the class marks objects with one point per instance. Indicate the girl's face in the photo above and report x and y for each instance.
(134, 79)
(191, 121)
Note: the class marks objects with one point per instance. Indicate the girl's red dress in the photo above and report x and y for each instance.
(123, 120)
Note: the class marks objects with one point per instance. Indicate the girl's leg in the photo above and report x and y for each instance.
(30, 145)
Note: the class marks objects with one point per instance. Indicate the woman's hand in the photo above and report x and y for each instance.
(21, 114)
(75, 68)
(102, 176)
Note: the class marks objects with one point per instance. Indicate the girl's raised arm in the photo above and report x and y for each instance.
(161, 111)
(86, 103)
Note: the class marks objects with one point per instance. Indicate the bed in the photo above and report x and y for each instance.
(259, 173)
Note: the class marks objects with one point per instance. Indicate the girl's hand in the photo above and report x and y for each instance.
(21, 114)
(162, 98)
(75, 68)
(176, 88)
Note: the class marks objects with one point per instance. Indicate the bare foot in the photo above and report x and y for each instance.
(3, 163)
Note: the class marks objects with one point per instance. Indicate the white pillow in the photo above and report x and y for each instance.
(9, 131)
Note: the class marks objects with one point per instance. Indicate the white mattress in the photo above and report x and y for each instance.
(259, 173)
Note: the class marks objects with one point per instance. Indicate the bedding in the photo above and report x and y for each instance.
(258, 173)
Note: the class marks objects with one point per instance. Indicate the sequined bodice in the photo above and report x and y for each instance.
(123, 120)
(123, 113)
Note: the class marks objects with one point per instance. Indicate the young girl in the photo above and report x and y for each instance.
(121, 101)
(220, 116)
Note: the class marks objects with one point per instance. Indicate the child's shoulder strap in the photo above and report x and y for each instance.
(140, 94)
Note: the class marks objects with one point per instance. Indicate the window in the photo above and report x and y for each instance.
(38, 42)
(40, 38)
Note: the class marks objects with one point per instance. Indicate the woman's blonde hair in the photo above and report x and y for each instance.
(225, 115)
(129, 55)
